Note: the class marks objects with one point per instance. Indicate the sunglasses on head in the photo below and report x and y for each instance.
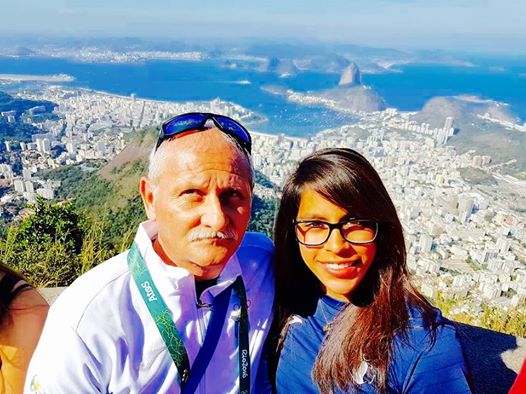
(197, 121)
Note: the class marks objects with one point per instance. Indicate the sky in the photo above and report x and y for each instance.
(457, 25)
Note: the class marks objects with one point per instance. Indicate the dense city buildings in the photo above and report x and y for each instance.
(464, 240)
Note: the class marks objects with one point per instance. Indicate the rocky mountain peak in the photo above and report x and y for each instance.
(351, 75)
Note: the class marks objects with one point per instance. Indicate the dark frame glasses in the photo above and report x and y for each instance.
(301, 228)
(197, 121)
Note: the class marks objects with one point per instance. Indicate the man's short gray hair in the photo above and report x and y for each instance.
(158, 158)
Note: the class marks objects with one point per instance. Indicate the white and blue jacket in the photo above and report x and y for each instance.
(100, 337)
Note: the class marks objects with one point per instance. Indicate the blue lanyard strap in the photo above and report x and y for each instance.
(244, 345)
(171, 337)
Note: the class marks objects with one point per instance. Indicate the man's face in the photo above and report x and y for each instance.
(201, 202)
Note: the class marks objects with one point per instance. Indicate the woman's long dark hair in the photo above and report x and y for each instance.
(378, 311)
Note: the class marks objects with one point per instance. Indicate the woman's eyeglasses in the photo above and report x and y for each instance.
(197, 121)
(317, 232)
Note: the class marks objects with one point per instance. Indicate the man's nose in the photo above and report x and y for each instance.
(213, 214)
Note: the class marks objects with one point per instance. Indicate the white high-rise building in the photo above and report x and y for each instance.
(26, 173)
(43, 145)
(503, 244)
(426, 243)
(465, 208)
(29, 187)
(448, 124)
(19, 185)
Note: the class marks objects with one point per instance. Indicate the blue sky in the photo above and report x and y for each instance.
(484, 25)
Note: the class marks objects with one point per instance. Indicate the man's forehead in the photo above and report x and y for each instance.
(209, 179)
(204, 151)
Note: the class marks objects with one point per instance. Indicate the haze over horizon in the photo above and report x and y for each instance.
(486, 26)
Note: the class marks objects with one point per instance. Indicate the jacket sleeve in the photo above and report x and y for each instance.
(440, 367)
(62, 364)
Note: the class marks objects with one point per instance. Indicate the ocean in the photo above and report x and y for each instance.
(503, 80)
(407, 90)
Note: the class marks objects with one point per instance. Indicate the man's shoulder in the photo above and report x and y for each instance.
(255, 259)
(253, 240)
(106, 278)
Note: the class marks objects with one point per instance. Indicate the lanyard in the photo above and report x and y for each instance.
(171, 337)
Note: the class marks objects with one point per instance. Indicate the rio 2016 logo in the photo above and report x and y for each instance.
(244, 363)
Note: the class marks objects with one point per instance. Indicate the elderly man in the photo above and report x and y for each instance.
(188, 307)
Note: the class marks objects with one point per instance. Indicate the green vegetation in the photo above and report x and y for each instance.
(477, 176)
(263, 212)
(511, 321)
(115, 207)
(53, 244)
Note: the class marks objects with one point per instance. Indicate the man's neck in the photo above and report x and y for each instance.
(202, 285)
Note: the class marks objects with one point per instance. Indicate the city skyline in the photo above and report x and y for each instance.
(467, 25)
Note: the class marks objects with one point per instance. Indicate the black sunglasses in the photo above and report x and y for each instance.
(197, 121)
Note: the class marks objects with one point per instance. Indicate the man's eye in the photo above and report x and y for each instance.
(190, 192)
(232, 194)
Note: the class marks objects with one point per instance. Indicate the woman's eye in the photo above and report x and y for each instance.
(315, 224)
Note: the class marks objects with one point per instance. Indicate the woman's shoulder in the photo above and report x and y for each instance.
(29, 298)
(429, 328)
(430, 353)
(18, 297)
(19, 334)
(28, 308)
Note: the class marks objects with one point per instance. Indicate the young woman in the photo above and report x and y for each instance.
(349, 318)
(22, 315)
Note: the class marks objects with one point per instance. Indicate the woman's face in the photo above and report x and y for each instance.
(338, 264)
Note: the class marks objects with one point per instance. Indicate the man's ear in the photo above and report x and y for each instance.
(146, 189)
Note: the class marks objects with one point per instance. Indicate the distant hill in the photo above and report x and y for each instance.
(348, 96)
(351, 75)
(282, 67)
(16, 108)
(329, 63)
(10, 103)
(462, 107)
(476, 133)
(351, 95)
(354, 98)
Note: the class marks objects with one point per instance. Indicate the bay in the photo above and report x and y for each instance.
(503, 80)
(498, 79)
(196, 81)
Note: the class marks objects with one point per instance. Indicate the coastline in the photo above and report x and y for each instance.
(39, 78)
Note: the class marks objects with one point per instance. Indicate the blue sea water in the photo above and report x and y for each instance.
(503, 80)
(194, 81)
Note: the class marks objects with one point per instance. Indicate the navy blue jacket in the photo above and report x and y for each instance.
(419, 365)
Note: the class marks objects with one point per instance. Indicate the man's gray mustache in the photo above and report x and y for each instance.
(198, 234)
